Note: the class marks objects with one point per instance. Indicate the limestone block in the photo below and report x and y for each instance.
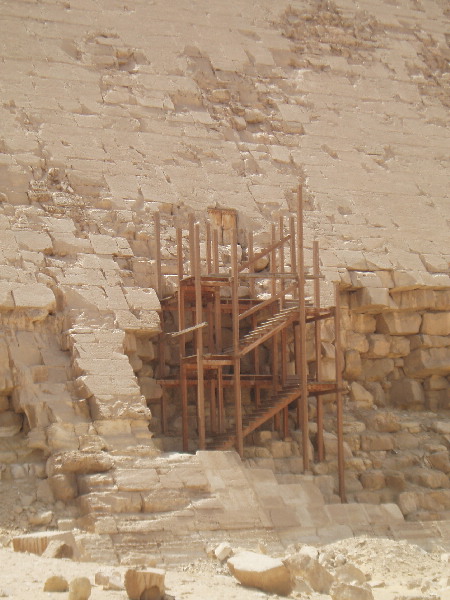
(415, 300)
(64, 486)
(425, 362)
(103, 244)
(377, 369)
(376, 441)
(36, 295)
(36, 241)
(56, 583)
(10, 423)
(383, 421)
(356, 341)
(142, 299)
(353, 365)
(109, 580)
(150, 388)
(67, 244)
(148, 584)
(407, 393)
(42, 518)
(373, 480)
(409, 502)
(362, 279)
(79, 462)
(262, 572)
(6, 298)
(363, 323)
(362, 397)
(346, 591)
(107, 407)
(371, 300)
(110, 503)
(348, 573)
(439, 461)
(58, 549)
(223, 551)
(331, 446)
(310, 569)
(399, 323)
(437, 323)
(379, 345)
(429, 341)
(400, 346)
(79, 588)
(436, 382)
(132, 480)
(428, 478)
(61, 436)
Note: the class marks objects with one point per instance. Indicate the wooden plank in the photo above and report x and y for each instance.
(265, 252)
(188, 330)
(268, 334)
(266, 303)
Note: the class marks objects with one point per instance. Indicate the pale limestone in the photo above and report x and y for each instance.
(399, 323)
(262, 572)
(34, 296)
(148, 583)
(436, 323)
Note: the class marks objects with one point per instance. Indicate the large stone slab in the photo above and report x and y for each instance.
(262, 572)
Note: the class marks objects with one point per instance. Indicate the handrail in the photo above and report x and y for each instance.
(268, 302)
(268, 250)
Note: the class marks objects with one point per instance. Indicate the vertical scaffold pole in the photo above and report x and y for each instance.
(254, 318)
(302, 406)
(182, 343)
(199, 341)
(236, 357)
(339, 400)
(318, 349)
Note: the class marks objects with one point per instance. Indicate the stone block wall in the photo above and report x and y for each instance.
(397, 353)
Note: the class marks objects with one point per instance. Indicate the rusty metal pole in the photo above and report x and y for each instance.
(302, 406)
(182, 343)
(339, 400)
(318, 349)
(199, 342)
(236, 357)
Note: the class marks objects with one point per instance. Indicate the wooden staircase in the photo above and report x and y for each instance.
(259, 415)
(265, 330)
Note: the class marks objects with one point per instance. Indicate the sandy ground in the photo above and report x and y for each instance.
(396, 571)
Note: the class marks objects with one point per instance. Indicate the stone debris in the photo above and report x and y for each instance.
(262, 572)
(56, 583)
(346, 591)
(223, 551)
(80, 588)
(145, 583)
(112, 580)
(57, 549)
(310, 570)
